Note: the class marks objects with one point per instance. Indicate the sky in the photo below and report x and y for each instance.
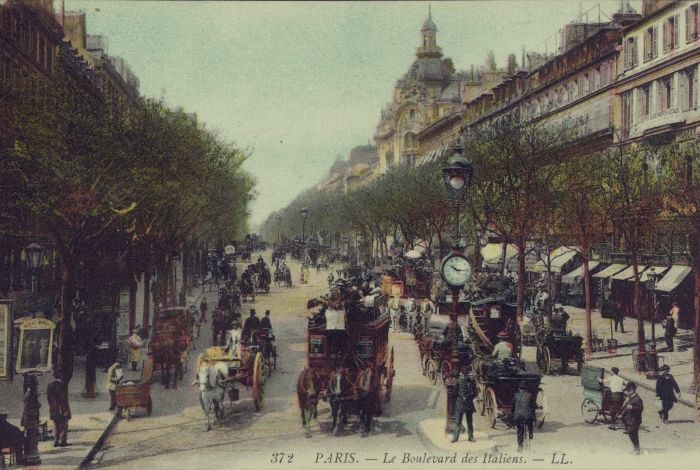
(299, 83)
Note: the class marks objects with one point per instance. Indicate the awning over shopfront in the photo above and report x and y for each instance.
(673, 278)
(610, 270)
(493, 253)
(570, 277)
(657, 269)
(627, 274)
(558, 258)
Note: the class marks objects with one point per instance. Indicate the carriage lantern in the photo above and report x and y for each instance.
(457, 175)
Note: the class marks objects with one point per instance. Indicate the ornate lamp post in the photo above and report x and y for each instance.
(455, 269)
(652, 359)
(304, 214)
(34, 254)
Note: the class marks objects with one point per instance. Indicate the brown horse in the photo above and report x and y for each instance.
(166, 356)
(308, 389)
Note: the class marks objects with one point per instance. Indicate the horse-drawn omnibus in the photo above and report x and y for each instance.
(344, 347)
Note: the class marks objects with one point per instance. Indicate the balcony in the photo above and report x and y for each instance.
(660, 121)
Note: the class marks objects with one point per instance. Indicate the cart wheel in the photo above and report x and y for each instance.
(258, 381)
(445, 371)
(538, 356)
(432, 371)
(546, 361)
(589, 411)
(540, 408)
(149, 406)
(480, 401)
(491, 406)
(390, 372)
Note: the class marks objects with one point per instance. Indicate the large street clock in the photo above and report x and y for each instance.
(456, 270)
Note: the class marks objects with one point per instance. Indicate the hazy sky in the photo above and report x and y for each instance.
(299, 83)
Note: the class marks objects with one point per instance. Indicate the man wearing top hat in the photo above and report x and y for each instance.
(59, 409)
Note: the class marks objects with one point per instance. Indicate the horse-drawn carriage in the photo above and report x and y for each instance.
(435, 348)
(173, 337)
(283, 276)
(497, 385)
(221, 369)
(131, 396)
(342, 352)
(554, 344)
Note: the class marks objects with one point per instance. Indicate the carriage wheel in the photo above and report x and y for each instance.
(432, 371)
(424, 363)
(540, 408)
(589, 411)
(546, 361)
(491, 406)
(149, 406)
(538, 356)
(258, 381)
(445, 370)
(389, 375)
(480, 401)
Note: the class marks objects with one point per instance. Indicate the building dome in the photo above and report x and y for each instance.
(431, 69)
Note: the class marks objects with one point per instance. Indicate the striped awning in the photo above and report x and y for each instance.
(610, 270)
(557, 259)
(673, 278)
(570, 277)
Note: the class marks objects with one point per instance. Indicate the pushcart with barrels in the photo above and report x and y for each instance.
(497, 385)
(242, 364)
(132, 396)
(553, 345)
(597, 398)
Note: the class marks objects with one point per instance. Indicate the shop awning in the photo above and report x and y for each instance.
(610, 270)
(557, 259)
(673, 278)
(493, 252)
(657, 269)
(628, 273)
(570, 277)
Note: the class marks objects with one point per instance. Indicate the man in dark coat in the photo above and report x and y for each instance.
(669, 332)
(523, 407)
(252, 324)
(665, 387)
(59, 410)
(265, 323)
(464, 404)
(632, 414)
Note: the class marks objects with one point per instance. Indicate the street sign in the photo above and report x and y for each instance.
(5, 340)
(35, 346)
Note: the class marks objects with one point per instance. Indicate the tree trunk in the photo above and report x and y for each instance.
(65, 344)
(146, 321)
(521, 279)
(185, 280)
(90, 390)
(589, 308)
(635, 305)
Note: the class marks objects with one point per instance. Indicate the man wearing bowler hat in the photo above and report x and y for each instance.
(665, 387)
(632, 414)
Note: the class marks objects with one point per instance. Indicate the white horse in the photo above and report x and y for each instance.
(211, 391)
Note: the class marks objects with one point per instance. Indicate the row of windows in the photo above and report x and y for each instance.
(30, 39)
(670, 37)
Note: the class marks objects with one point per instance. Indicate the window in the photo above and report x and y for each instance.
(583, 85)
(665, 94)
(644, 100)
(626, 114)
(692, 22)
(671, 33)
(650, 46)
(630, 53)
(687, 85)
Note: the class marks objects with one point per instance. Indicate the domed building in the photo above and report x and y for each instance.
(429, 90)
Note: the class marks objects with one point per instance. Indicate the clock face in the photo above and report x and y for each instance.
(456, 270)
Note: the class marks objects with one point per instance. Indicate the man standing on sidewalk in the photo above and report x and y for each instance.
(670, 331)
(115, 375)
(619, 317)
(59, 410)
(665, 386)
(203, 307)
(632, 414)
(464, 405)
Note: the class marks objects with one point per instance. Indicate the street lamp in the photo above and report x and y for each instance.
(652, 359)
(279, 221)
(34, 254)
(457, 175)
(304, 214)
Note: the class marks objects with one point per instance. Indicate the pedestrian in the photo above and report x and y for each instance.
(632, 414)
(330, 278)
(411, 311)
(617, 395)
(464, 404)
(265, 323)
(675, 312)
(250, 326)
(115, 375)
(135, 344)
(523, 407)
(59, 409)
(619, 317)
(669, 325)
(665, 386)
(203, 307)
(427, 311)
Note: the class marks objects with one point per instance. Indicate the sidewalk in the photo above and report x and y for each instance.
(90, 417)
(680, 360)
